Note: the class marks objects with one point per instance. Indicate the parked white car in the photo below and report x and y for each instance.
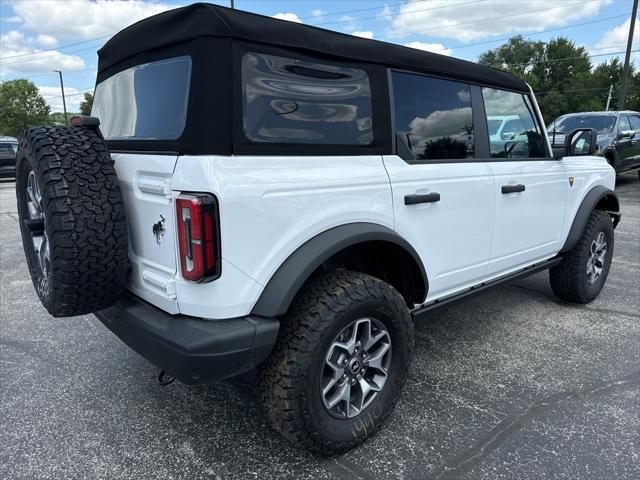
(265, 194)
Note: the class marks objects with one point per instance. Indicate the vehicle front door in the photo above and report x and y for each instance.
(442, 194)
(530, 188)
(624, 143)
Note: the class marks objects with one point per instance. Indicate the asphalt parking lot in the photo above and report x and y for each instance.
(509, 384)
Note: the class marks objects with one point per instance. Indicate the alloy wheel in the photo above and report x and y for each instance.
(598, 252)
(356, 367)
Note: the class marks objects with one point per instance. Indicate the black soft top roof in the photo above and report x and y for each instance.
(207, 20)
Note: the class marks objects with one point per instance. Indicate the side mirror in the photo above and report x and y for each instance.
(627, 134)
(581, 141)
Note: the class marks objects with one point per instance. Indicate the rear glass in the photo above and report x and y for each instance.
(295, 101)
(145, 102)
(8, 147)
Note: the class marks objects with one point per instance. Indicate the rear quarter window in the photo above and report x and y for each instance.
(145, 102)
(294, 101)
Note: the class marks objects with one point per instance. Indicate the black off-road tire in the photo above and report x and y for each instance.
(84, 219)
(569, 278)
(290, 379)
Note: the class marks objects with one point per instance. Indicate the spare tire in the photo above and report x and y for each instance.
(72, 219)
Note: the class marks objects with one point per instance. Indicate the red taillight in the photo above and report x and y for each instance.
(198, 237)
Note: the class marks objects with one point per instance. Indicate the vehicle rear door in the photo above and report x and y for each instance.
(530, 188)
(442, 195)
(145, 185)
(634, 158)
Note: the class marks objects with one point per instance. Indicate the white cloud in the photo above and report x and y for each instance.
(12, 19)
(443, 19)
(83, 19)
(615, 40)
(53, 97)
(15, 43)
(364, 34)
(430, 47)
(46, 40)
(291, 17)
(349, 23)
(386, 14)
(318, 13)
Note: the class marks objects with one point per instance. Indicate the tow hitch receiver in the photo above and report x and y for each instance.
(164, 379)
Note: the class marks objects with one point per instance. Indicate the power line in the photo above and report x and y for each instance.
(392, 14)
(344, 12)
(564, 59)
(55, 48)
(458, 47)
(81, 92)
(20, 62)
(440, 27)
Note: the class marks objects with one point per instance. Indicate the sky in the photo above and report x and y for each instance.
(40, 36)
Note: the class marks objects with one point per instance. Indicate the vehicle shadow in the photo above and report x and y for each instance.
(226, 417)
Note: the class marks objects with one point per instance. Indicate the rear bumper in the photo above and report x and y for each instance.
(193, 350)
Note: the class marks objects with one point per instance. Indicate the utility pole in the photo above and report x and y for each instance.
(232, 4)
(64, 102)
(625, 72)
(609, 97)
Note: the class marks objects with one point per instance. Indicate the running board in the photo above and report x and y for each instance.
(486, 285)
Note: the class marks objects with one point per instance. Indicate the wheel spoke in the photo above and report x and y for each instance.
(342, 394)
(375, 360)
(364, 336)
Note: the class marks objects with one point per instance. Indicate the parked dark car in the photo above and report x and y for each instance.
(8, 149)
(618, 135)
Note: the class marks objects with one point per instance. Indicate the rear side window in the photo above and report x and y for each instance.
(145, 102)
(513, 130)
(434, 116)
(635, 122)
(296, 101)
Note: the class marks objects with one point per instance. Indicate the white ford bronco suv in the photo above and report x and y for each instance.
(255, 193)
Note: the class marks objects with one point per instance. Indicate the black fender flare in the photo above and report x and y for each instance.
(589, 202)
(285, 283)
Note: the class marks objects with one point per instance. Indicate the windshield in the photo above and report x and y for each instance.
(8, 147)
(601, 123)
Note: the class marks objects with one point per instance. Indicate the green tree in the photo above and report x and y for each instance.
(57, 118)
(21, 106)
(632, 102)
(516, 56)
(604, 75)
(558, 71)
(87, 104)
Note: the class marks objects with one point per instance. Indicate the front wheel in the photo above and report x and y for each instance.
(583, 271)
(340, 363)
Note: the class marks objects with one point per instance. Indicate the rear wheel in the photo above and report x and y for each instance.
(583, 271)
(340, 362)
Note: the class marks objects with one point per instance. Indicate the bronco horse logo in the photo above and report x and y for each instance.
(158, 229)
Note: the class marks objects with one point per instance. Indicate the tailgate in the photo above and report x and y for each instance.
(145, 183)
